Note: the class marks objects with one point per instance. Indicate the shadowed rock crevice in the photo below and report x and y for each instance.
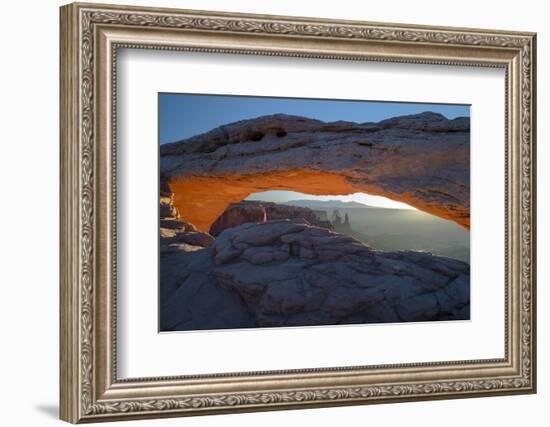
(422, 160)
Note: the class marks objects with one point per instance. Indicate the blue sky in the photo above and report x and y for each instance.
(182, 116)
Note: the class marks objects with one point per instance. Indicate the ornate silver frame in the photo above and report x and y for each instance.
(90, 36)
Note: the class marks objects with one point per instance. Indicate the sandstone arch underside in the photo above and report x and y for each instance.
(422, 160)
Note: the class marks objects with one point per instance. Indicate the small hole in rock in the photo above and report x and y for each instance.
(256, 136)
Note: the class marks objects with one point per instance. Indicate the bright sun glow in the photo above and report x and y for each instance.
(365, 199)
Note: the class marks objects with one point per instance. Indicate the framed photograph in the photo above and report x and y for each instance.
(267, 212)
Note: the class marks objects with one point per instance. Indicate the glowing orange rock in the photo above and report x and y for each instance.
(421, 160)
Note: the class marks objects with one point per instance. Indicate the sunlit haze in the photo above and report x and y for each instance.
(365, 199)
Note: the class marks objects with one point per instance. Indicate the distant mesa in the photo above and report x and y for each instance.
(256, 211)
(328, 204)
(421, 160)
(252, 211)
(339, 224)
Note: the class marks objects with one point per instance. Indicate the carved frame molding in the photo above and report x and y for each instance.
(90, 37)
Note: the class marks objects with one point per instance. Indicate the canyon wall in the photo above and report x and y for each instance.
(254, 211)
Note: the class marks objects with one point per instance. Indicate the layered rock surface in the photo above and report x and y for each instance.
(176, 234)
(422, 160)
(283, 272)
(255, 211)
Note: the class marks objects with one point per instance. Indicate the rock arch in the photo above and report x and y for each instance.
(422, 160)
